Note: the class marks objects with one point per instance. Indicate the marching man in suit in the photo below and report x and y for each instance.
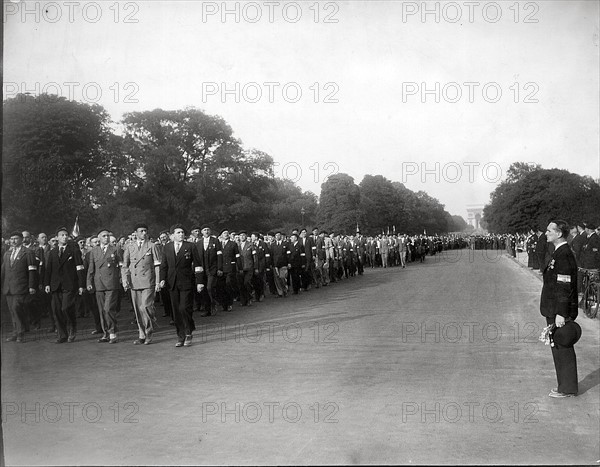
(249, 267)
(103, 276)
(210, 267)
(177, 273)
(19, 279)
(64, 278)
(559, 305)
(139, 272)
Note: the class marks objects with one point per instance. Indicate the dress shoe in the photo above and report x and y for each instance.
(188, 341)
(104, 339)
(133, 322)
(95, 332)
(138, 342)
(11, 339)
(560, 395)
(554, 390)
(71, 339)
(148, 340)
(60, 341)
(179, 344)
(114, 340)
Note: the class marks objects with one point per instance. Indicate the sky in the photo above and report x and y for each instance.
(441, 96)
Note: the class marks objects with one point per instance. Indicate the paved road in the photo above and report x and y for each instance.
(436, 363)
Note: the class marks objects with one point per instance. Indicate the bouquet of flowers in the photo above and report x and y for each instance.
(546, 335)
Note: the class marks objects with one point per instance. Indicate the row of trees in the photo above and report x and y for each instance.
(62, 159)
(531, 196)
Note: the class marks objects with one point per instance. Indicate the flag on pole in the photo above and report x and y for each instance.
(424, 232)
(394, 230)
(76, 228)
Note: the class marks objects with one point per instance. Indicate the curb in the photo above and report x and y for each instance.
(524, 266)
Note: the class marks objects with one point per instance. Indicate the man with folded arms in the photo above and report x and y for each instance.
(139, 271)
(103, 275)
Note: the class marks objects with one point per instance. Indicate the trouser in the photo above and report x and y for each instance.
(305, 276)
(270, 277)
(295, 278)
(384, 260)
(318, 273)
(108, 309)
(325, 273)
(245, 286)
(208, 296)
(258, 282)
(181, 300)
(33, 307)
(145, 313)
(165, 297)
(565, 364)
(280, 277)
(93, 307)
(18, 313)
(63, 307)
(402, 260)
(226, 289)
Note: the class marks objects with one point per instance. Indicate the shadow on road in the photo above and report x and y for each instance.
(590, 381)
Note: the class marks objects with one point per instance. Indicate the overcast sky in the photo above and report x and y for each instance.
(366, 64)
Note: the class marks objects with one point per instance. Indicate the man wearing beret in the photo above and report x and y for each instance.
(249, 262)
(64, 278)
(559, 305)
(104, 277)
(231, 263)
(19, 279)
(139, 272)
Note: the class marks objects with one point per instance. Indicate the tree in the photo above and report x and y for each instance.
(54, 151)
(339, 204)
(539, 195)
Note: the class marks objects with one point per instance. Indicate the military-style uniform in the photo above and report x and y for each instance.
(104, 276)
(140, 270)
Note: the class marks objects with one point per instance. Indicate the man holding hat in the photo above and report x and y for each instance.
(559, 305)
(64, 278)
(19, 279)
(139, 272)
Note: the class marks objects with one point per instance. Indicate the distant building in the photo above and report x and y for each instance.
(474, 215)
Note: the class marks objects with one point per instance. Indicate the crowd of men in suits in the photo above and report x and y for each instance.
(67, 278)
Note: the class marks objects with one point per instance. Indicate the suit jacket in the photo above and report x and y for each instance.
(248, 255)
(310, 249)
(140, 265)
(211, 259)
(22, 275)
(590, 253)
(577, 246)
(231, 257)
(262, 250)
(559, 292)
(279, 254)
(543, 251)
(66, 272)
(296, 255)
(178, 270)
(103, 270)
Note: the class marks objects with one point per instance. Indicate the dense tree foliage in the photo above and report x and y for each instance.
(379, 205)
(530, 196)
(61, 160)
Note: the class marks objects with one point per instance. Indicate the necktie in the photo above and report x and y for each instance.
(139, 245)
(61, 250)
(103, 250)
(177, 246)
(13, 257)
